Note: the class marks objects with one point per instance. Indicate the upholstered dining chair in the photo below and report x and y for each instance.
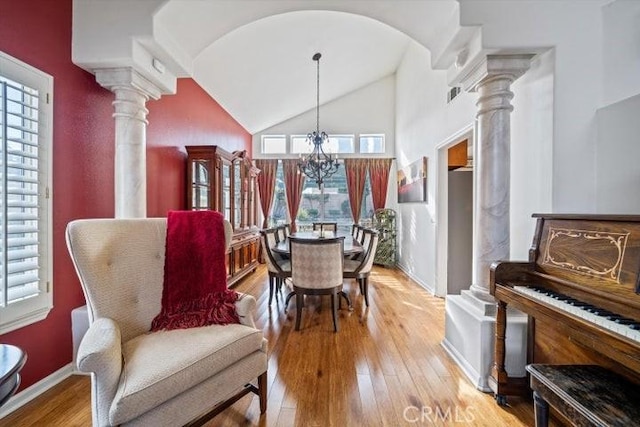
(278, 267)
(162, 378)
(360, 268)
(354, 230)
(325, 226)
(358, 232)
(316, 269)
(284, 231)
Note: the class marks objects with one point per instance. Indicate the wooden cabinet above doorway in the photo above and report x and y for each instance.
(458, 155)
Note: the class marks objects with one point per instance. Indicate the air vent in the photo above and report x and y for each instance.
(452, 93)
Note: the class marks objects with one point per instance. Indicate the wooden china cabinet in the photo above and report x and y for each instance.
(226, 182)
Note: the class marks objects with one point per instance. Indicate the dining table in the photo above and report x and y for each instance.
(351, 245)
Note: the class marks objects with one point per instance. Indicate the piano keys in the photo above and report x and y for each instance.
(614, 322)
(580, 289)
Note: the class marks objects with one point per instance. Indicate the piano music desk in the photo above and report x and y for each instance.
(587, 395)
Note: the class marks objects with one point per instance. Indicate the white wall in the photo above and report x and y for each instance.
(370, 109)
(567, 153)
(621, 50)
(423, 120)
(531, 151)
(574, 29)
(617, 149)
(118, 33)
(618, 157)
(573, 109)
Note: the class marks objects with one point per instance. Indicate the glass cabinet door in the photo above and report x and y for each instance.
(225, 207)
(237, 195)
(200, 185)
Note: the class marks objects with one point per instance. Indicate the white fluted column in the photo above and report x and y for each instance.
(132, 91)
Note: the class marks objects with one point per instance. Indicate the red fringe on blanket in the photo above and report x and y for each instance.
(195, 289)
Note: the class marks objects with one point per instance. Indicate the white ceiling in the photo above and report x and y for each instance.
(262, 72)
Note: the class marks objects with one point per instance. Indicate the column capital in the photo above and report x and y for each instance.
(509, 66)
(120, 78)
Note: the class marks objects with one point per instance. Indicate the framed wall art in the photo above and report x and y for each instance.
(412, 182)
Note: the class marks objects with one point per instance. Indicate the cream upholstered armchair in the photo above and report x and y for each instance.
(164, 378)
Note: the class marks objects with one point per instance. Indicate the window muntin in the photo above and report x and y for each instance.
(274, 144)
(25, 206)
(372, 143)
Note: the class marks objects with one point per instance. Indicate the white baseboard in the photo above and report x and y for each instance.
(35, 390)
(472, 375)
(415, 279)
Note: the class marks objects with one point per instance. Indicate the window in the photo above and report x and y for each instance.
(25, 205)
(337, 144)
(274, 144)
(335, 202)
(341, 144)
(372, 144)
(300, 144)
(278, 214)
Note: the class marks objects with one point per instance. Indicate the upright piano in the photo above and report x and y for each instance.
(581, 292)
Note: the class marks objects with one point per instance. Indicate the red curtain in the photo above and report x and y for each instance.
(294, 184)
(356, 171)
(266, 185)
(379, 176)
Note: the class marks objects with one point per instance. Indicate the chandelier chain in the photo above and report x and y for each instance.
(318, 95)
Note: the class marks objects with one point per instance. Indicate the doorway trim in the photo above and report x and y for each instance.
(442, 204)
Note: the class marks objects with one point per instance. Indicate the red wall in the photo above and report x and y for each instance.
(38, 32)
(191, 117)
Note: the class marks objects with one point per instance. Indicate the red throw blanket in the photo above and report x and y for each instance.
(195, 289)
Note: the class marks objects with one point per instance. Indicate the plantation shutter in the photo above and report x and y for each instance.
(20, 249)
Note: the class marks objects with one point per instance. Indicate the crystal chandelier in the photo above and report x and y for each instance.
(318, 165)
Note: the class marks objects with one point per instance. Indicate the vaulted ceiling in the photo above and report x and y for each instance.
(254, 57)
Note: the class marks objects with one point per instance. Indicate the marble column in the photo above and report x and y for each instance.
(132, 91)
(470, 316)
(492, 163)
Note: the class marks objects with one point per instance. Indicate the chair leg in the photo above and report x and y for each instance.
(344, 295)
(334, 310)
(365, 290)
(286, 302)
(271, 288)
(299, 297)
(262, 390)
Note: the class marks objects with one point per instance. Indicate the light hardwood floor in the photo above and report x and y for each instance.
(385, 367)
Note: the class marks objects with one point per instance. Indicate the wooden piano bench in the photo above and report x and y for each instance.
(587, 395)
